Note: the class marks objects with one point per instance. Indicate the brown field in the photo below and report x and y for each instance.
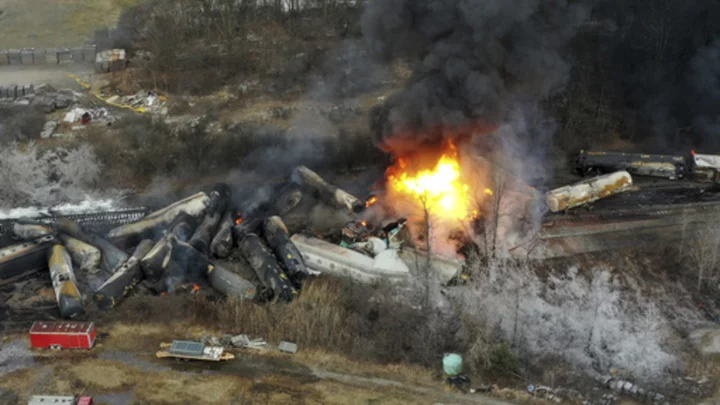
(122, 369)
(54, 23)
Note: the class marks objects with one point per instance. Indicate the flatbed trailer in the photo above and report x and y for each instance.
(188, 350)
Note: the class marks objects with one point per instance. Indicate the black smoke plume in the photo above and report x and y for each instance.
(472, 60)
(705, 82)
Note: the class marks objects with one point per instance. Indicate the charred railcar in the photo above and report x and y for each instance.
(666, 166)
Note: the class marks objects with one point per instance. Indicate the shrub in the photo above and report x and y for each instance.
(20, 123)
(32, 176)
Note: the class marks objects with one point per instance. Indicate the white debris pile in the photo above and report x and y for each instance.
(238, 341)
(213, 351)
(89, 115)
(143, 101)
(48, 129)
(44, 96)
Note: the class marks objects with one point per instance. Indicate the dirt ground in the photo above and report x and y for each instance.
(55, 23)
(122, 369)
(57, 76)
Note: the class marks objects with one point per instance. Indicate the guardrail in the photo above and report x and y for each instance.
(47, 56)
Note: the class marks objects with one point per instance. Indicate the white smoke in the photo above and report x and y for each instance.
(594, 321)
(58, 178)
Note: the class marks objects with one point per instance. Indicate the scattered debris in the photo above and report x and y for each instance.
(633, 390)
(111, 60)
(144, 101)
(85, 116)
(48, 129)
(188, 350)
(288, 347)
(244, 341)
(544, 392)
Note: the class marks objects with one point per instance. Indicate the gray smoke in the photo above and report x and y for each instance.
(704, 80)
(473, 60)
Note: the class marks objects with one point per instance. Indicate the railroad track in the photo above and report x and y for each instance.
(639, 214)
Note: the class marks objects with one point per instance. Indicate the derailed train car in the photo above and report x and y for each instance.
(697, 167)
(705, 168)
(666, 166)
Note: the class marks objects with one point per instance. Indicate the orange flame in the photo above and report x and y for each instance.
(440, 189)
(195, 288)
(370, 201)
(239, 221)
(363, 223)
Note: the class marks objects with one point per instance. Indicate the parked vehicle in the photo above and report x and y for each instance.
(188, 350)
(62, 335)
(63, 400)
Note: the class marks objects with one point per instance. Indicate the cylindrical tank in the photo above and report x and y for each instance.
(588, 191)
(452, 364)
(63, 281)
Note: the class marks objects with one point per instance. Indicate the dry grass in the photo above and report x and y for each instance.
(189, 388)
(103, 375)
(149, 386)
(334, 393)
(48, 23)
(333, 362)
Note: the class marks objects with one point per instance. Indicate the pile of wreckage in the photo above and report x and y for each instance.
(44, 96)
(202, 240)
(614, 170)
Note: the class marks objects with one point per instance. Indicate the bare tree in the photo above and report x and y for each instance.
(489, 206)
(701, 250)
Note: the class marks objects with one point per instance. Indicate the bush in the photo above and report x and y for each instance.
(31, 176)
(502, 359)
(20, 123)
(363, 322)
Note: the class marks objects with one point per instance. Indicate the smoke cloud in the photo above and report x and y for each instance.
(473, 60)
(704, 79)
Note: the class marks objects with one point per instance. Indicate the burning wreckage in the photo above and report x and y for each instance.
(201, 240)
(268, 252)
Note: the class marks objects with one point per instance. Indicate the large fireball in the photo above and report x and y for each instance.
(440, 189)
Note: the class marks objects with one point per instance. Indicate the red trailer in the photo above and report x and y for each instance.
(62, 335)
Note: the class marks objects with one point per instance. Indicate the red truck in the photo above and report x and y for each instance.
(62, 335)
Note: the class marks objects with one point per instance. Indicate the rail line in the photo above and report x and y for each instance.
(630, 215)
